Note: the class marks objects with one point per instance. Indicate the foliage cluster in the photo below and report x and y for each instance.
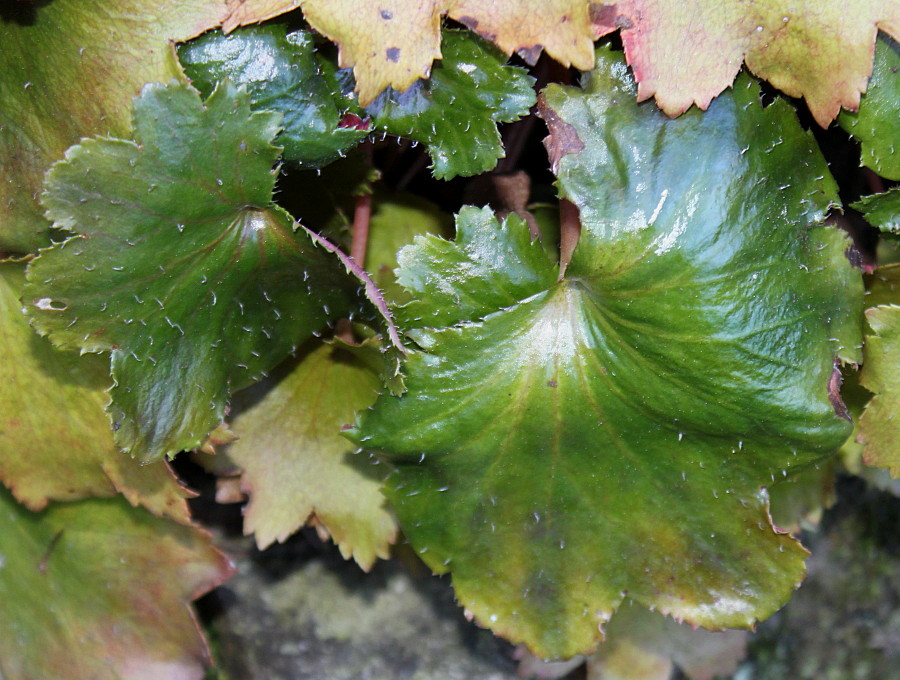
(578, 391)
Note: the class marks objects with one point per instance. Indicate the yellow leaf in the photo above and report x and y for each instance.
(687, 52)
(393, 43)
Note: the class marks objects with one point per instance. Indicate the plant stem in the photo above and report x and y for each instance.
(569, 233)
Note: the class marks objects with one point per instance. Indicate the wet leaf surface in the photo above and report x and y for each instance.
(882, 210)
(98, 590)
(281, 73)
(876, 125)
(180, 266)
(55, 437)
(565, 444)
(455, 113)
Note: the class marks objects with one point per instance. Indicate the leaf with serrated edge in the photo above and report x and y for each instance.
(181, 266)
(70, 70)
(98, 590)
(296, 464)
(688, 51)
(876, 125)
(456, 111)
(55, 441)
(881, 210)
(612, 433)
(879, 426)
(280, 72)
(243, 12)
(393, 45)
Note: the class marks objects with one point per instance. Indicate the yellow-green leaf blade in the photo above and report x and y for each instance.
(296, 464)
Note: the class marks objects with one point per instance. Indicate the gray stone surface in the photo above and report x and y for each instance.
(324, 619)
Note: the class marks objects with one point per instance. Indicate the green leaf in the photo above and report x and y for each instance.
(296, 465)
(281, 73)
(612, 433)
(879, 425)
(98, 590)
(55, 440)
(181, 266)
(877, 124)
(456, 111)
(455, 281)
(881, 210)
(69, 69)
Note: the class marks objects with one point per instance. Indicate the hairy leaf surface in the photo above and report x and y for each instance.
(69, 69)
(98, 590)
(55, 440)
(686, 52)
(565, 444)
(882, 210)
(181, 266)
(281, 73)
(456, 111)
(877, 124)
(295, 463)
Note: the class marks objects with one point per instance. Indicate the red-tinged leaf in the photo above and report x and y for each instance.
(686, 52)
(98, 590)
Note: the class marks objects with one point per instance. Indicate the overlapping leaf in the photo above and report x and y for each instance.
(55, 440)
(180, 266)
(393, 44)
(297, 465)
(281, 73)
(457, 110)
(882, 210)
(565, 443)
(69, 69)
(98, 590)
(686, 52)
(877, 124)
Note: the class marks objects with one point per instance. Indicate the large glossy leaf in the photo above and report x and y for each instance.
(55, 439)
(456, 111)
(297, 466)
(686, 52)
(98, 590)
(877, 124)
(281, 73)
(69, 69)
(180, 265)
(563, 444)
